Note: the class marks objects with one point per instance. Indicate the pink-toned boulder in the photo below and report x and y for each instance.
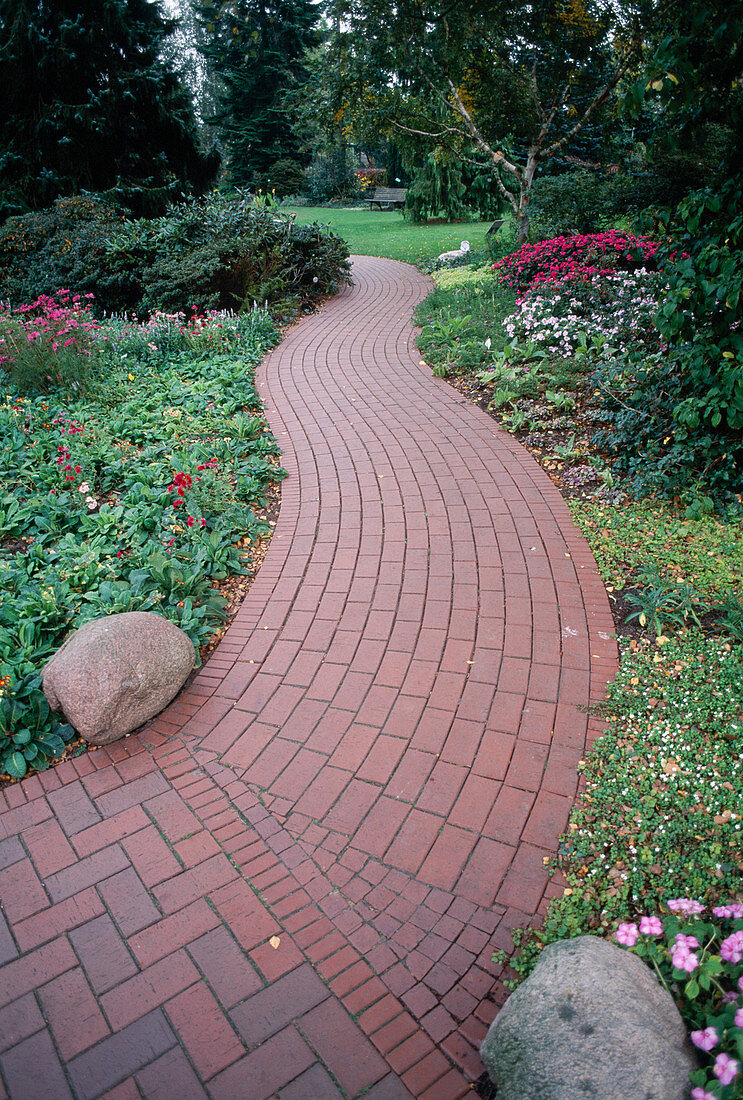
(117, 672)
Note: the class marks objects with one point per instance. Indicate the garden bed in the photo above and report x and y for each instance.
(154, 488)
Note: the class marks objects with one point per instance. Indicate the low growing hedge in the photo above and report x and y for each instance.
(214, 252)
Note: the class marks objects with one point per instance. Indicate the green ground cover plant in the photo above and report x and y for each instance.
(140, 493)
(388, 233)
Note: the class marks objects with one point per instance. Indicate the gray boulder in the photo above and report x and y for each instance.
(590, 1021)
(117, 672)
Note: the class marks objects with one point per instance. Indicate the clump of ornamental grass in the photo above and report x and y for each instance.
(50, 344)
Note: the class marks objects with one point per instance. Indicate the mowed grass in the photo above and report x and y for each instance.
(387, 233)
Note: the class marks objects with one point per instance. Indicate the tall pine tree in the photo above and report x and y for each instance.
(257, 49)
(87, 103)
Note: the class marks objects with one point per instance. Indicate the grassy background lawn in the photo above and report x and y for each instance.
(387, 233)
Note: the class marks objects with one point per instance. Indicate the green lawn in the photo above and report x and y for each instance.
(387, 233)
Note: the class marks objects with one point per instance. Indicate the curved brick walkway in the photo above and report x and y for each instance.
(292, 881)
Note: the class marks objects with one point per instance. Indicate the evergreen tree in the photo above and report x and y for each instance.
(258, 48)
(87, 103)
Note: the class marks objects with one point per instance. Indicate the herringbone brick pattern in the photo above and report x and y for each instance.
(291, 883)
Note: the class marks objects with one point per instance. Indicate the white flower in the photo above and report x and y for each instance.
(84, 488)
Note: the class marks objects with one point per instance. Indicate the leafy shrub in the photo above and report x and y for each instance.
(675, 420)
(65, 245)
(581, 256)
(211, 253)
(285, 177)
(452, 190)
(576, 202)
(330, 177)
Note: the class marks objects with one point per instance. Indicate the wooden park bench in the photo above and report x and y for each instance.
(388, 198)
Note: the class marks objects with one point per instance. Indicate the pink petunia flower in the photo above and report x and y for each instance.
(725, 1069)
(734, 912)
(627, 934)
(705, 1039)
(731, 949)
(651, 926)
(687, 906)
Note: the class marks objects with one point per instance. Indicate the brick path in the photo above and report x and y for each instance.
(291, 883)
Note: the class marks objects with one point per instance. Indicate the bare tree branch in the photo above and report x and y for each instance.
(597, 101)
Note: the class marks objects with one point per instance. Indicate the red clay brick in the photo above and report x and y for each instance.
(186, 887)
(170, 933)
(426, 1072)
(121, 1055)
(414, 840)
(349, 1056)
(277, 1005)
(247, 917)
(260, 1074)
(37, 968)
(148, 989)
(49, 848)
(18, 1020)
(172, 816)
(391, 1035)
(86, 872)
(33, 1069)
(128, 902)
(107, 832)
(73, 1014)
(409, 1052)
(168, 1077)
(103, 953)
(274, 962)
(21, 891)
(225, 966)
(204, 1031)
(151, 857)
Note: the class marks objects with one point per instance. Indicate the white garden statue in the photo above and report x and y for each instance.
(456, 254)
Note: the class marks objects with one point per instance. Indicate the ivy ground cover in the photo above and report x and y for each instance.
(133, 466)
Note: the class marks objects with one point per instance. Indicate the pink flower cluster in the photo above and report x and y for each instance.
(582, 256)
(682, 955)
(731, 949)
(59, 321)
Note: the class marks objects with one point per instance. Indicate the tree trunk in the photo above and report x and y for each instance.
(523, 220)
